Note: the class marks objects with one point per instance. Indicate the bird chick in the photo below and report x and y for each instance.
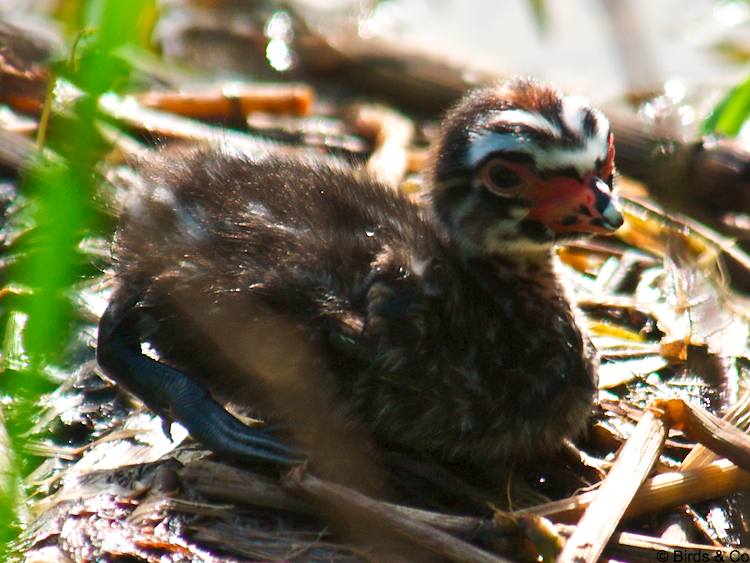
(444, 330)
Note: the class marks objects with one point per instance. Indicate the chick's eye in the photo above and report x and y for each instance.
(501, 177)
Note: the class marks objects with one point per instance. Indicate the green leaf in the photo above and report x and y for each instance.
(59, 214)
(539, 10)
(731, 113)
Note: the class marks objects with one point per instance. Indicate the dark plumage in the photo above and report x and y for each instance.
(444, 330)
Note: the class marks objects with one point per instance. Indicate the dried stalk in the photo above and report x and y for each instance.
(659, 493)
(603, 515)
(700, 455)
(260, 546)
(331, 494)
(718, 435)
(15, 150)
(23, 67)
(161, 125)
(655, 227)
(226, 483)
(10, 484)
(230, 484)
(392, 134)
(233, 100)
(638, 547)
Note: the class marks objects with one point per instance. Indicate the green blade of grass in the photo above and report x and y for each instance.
(61, 214)
(539, 9)
(731, 113)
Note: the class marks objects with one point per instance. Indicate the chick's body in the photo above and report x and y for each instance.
(330, 301)
(459, 358)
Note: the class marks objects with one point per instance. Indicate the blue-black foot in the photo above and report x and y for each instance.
(173, 395)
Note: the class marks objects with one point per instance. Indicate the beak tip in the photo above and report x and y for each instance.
(612, 217)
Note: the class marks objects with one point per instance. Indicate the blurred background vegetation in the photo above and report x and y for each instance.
(57, 215)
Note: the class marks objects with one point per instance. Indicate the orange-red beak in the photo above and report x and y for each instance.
(568, 205)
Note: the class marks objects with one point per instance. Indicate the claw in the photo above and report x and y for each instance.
(166, 423)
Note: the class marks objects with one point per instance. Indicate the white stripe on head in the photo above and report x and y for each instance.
(487, 142)
(573, 113)
(582, 158)
(602, 124)
(522, 117)
(481, 145)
